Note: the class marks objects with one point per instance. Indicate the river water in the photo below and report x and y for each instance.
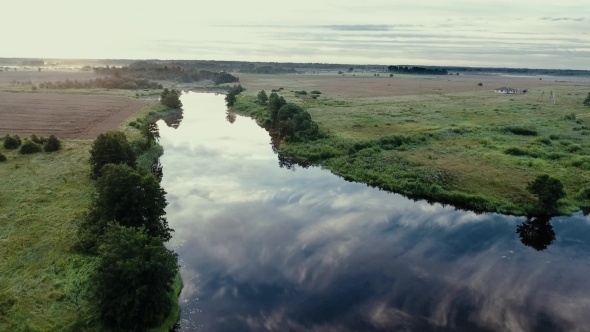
(265, 248)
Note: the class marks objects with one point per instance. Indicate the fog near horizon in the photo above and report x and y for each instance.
(539, 34)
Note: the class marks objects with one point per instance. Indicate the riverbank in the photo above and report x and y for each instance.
(476, 152)
(43, 285)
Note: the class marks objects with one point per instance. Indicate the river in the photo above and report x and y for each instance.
(265, 248)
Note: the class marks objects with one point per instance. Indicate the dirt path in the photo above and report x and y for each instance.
(66, 116)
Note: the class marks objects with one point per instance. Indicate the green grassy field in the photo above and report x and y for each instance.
(43, 280)
(476, 151)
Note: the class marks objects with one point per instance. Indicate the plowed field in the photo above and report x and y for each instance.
(66, 116)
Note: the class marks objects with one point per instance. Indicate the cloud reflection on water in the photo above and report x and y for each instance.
(267, 249)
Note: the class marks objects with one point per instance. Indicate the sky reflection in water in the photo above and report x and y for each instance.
(264, 248)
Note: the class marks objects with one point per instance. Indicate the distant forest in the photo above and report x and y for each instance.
(154, 71)
(417, 70)
(190, 67)
(252, 69)
(112, 82)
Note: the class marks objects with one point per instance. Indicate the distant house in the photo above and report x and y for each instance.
(506, 90)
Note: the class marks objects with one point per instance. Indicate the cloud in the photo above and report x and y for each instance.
(578, 19)
(365, 27)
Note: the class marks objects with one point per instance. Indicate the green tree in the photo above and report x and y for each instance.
(548, 190)
(274, 104)
(150, 131)
(110, 148)
(164, 93)
(171, 99)
(131, 199)
(230, 99)
(587, 100)
(133, 279)
(30, 147)
(262, 97)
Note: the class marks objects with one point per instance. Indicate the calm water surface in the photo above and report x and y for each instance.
(264, 248)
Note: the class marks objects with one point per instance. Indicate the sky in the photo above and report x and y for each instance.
(498, 33)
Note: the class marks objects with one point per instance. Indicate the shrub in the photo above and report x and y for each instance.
(29, 147)
(11, 142)
(52, 144)
(38, 140)
(554, 137)
(301, 92)
(133, 280)
(2, 158)
(587, 100)
(316, 92)
(548, 190)
(132, 124)
(521, 131)
(110, 148)
(514, 151)
(574, 148)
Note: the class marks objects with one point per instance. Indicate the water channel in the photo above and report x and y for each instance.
(268, 248)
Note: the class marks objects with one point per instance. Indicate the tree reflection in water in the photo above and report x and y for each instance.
(536, 232)
(284, 161)
(173, 120)
(230, 117)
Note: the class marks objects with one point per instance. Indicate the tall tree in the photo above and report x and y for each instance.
(110, 148)
(133, 279)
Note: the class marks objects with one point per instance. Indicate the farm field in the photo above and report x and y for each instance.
(479, 149)
(65, 115)
(367, 85)
(45, 75)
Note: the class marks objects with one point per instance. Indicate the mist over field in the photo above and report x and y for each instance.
(534, 34)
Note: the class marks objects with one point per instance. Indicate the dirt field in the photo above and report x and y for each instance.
(46, 75)
(366, 85)
(66, 116)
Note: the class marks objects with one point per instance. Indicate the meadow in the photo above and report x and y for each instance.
(43, 198)
(477, 151)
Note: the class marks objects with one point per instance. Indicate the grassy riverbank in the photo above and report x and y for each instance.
(43, 284)
(476, 151)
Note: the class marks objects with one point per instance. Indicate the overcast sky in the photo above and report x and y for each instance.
(534, 34)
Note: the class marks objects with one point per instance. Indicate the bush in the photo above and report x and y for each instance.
(521, 131)
(516, 151)
(544, 140)
(316, 92)
(571, 117)
(11, 142)
(133, 280)
(132, 124)
(547, 189)
(38, 140)
(29, 147)
(52, 144)
(587, 100)
(2, 158)
(554, 137)
(110, 148)
(302, 92)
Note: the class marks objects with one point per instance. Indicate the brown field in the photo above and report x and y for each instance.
(66, 116)
(45, 75)
(366, 85)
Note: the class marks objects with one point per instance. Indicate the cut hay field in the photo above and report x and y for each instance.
(464, 147)
(64, 115)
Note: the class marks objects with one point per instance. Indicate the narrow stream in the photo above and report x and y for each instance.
(265, 248)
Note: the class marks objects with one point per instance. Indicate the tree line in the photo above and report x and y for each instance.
(125, 229)
(111, 82)
(159, 72)
(417, 70)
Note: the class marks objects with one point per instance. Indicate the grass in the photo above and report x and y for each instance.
(43, 281)
(480, 152)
